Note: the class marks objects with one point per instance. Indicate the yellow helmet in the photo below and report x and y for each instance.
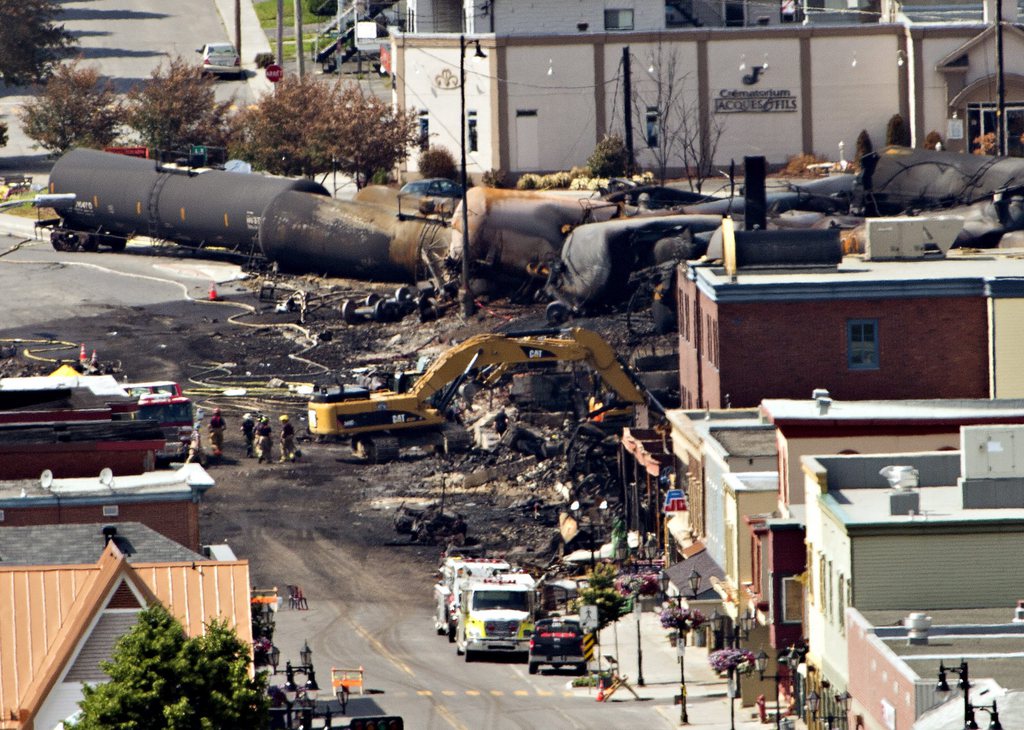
(284, 418)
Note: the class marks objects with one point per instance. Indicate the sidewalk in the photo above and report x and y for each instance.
(707, 702)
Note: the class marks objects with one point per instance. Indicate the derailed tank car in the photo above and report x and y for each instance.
(117, 197)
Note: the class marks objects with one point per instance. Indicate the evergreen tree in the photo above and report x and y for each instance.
(162, 679)
(601, 592)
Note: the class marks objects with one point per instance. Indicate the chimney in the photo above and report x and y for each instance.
(821, 397)
(109, 533)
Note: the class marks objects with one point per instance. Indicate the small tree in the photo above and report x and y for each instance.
(31, 42)
(602, 592)
(177, 108)
(3, 133)
(288, 132)
(897, 132)
(610, 158)
(75, 109)
(161, 678)
(932, 140)
(438, 161)
(368, 133)
(863, 147)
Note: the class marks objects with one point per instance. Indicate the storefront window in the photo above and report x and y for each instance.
(981, 129)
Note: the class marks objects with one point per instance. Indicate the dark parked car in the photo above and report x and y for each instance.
(557, 642)
(432, 187)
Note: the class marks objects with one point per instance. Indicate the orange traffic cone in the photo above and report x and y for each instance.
(82, 357)
(92, 360)
(213, 292)
(600, 689)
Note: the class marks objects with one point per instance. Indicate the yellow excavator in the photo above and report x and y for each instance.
(382, 422)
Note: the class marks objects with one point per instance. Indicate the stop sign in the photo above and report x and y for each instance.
(274, 73)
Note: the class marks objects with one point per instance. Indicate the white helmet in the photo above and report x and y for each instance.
(247, 417)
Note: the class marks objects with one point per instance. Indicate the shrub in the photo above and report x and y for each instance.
(264, 59)
(529, 181)
(932, 140)
(438, 162)
(322, 7)
(897, 132)
(797, 166)
(494, 179)
(610, 158)
(380, 177)
(864, 147)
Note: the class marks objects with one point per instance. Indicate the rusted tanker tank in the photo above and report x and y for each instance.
(517, 232)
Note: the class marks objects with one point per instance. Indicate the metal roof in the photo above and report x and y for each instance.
(184, 481)
(966, 409)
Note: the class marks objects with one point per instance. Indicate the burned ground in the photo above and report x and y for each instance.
(259, 347)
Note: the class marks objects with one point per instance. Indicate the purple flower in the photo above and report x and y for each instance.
(739, 660)
(681, 619)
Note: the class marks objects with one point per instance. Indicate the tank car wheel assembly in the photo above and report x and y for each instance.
(64, 240)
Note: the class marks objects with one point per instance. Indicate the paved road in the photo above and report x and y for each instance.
(127, 40)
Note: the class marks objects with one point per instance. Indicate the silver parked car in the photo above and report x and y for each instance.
(221, 59)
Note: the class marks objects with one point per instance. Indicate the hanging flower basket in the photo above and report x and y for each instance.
(644, 584)
(740, 661)
(681, 619)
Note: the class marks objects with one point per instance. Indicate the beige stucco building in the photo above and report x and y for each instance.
(553, 83)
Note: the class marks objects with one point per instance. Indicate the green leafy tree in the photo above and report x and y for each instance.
(160, 678)
(610, 158)
(31, 41)
(3, 133)
(77, 108)
(177, 108)
(601, 592)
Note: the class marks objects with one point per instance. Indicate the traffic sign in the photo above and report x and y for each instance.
(588, 617)
(675, 501)
(274, 73)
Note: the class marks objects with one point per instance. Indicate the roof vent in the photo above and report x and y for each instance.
(821, 397)
(917, 625)
(900, 477)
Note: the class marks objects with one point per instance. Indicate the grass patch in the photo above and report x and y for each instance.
(266, 11)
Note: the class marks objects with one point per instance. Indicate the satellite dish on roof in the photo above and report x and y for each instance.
(46, 479)
(106, 477)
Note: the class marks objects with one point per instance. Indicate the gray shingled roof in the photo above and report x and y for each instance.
(83, 543)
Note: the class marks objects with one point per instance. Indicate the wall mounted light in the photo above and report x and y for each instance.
(743, 62)
(764, 65)
(853, 63)
(901, 57)
(551, 67)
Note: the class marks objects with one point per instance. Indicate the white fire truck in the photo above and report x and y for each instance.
(453, 570)
(496, 614)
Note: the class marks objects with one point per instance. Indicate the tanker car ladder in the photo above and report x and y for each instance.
(433, 252)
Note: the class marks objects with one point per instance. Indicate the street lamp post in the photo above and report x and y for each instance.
(639, 646)
(468, 305)
(694, 582)
(762, 664)
(308, 692)
(736, 633)
(964, 684)
(842, 700)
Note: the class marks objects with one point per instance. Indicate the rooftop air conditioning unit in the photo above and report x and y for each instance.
(910, 237)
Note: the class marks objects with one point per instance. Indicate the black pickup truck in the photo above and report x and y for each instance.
(557, 642)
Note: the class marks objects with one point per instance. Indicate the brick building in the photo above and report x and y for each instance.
(167, 502)
(863, 330)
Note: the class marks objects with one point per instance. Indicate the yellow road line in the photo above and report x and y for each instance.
(448, 692)
(566, 693)
(473, 692)
(497, 693)
(521, 693)
(545, 693)
(382, 650)
(424, 692)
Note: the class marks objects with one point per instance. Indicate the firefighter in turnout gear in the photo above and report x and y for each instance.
(287, 439)
(264, 441)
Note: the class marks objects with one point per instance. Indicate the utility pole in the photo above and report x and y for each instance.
(300, 53)
(1000, 84)
(280, 32)
(627, 109)
(238, 27)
